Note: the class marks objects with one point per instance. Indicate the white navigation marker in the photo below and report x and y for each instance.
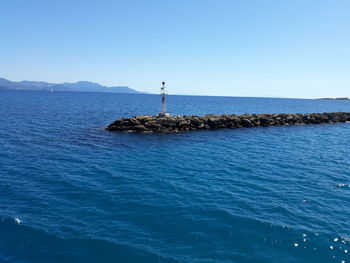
(163, 93)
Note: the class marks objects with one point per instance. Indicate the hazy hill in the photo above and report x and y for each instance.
(82, 86)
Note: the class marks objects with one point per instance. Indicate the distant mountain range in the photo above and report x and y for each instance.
(82, 86)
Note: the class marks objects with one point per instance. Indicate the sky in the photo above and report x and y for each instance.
(258, 48)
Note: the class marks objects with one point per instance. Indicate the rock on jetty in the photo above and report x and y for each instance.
(169, 124)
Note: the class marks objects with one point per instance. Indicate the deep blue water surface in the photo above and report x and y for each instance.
(72, 192)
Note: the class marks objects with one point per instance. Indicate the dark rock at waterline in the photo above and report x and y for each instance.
(167, 124)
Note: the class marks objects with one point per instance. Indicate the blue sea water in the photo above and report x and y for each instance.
(71, 191)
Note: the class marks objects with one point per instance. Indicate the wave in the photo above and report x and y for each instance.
(21, 244)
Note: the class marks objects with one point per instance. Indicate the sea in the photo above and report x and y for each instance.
(71, 191)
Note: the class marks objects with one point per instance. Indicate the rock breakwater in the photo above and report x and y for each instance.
(170, 124)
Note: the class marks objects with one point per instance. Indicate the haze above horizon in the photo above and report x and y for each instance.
(297, 49)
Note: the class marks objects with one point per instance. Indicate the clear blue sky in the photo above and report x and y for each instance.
(296, 48)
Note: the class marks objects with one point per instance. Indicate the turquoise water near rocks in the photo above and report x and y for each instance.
(72, 192)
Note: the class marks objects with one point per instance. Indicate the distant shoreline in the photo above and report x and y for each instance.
(80, 86)
(127, 90)
(343, 98)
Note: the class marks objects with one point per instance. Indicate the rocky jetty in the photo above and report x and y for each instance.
(169, 124)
